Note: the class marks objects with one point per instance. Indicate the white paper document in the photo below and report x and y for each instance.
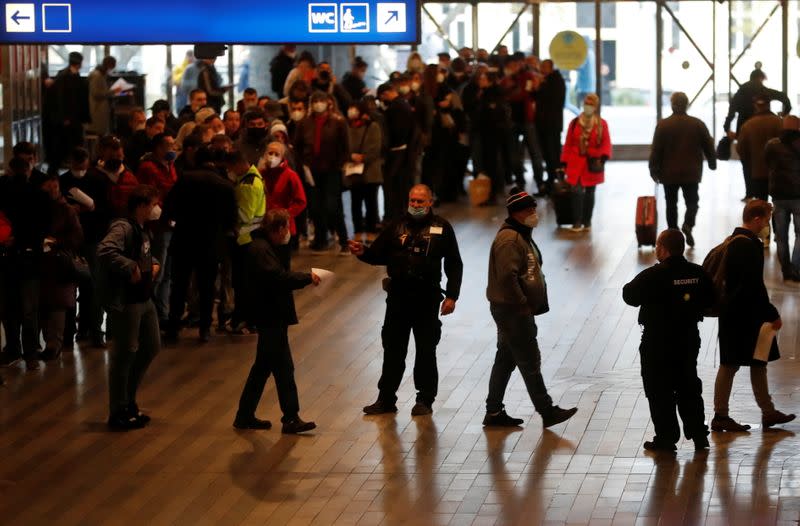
(326, 281)
(764, 342)
(122, 84)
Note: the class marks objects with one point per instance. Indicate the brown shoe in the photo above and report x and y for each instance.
(776, 418)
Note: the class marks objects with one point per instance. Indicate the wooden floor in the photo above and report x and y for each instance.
(60, 466)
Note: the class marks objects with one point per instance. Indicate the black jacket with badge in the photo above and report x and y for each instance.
(672, 295)
(746, 306)
(413, 251)
(269, 281)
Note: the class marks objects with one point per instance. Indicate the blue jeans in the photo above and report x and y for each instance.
(516, 348)
(787, 211)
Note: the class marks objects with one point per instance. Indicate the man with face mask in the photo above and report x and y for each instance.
(399, 129)
(157, 169)
(322, 148)
(517, 292)
(353, 81)
(270, 284)
(251, 203)
(672, 296)
(414, 249)
(70, 109)
(253, 138)
(745, 309)
(325, 81)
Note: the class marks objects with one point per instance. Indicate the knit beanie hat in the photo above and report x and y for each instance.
(519, 200)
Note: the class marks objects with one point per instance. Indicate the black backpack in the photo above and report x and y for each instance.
(724, 149)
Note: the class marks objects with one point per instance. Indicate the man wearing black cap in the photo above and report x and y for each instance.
(399, 133)
(414, 249)
(517, 292)
(71, 109)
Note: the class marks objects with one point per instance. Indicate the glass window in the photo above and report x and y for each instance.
(451, 30)
(382, 61)
(495, 21)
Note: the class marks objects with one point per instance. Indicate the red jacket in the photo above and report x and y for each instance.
(519, 91)
(157, 174)
(5, 228)
(119, 192)
(576, 164)
(284, 190)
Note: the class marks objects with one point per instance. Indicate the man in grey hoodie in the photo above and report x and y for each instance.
(517, 292)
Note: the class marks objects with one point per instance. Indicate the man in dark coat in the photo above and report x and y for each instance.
(744, 311)
(399, 132)
(280, 67)
(270, 283)
(742, 101)
(672, 295)
(71, 109)
(550, 117)
(203, 206)
(676, 161)
(782, 155)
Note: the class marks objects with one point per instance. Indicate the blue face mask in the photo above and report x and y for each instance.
(171, 156)
(417, 213)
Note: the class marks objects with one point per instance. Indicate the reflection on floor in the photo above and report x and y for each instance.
(190, 467)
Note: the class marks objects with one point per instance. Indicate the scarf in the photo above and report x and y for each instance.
(587, 125)
(319, 123)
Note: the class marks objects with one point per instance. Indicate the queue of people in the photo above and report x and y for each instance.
(140, 240)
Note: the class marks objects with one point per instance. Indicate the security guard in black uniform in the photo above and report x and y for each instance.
(672, 295)
(412, 248)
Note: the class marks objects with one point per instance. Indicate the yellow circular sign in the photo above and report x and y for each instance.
(568, 50)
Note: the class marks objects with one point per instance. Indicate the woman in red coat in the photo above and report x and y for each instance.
(586, 149)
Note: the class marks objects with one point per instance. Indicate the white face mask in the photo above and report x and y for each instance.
(589, 110)
(297, 115)
(320, 107)
(353, 113)
(532, 221)
(415, 85)
(287, 238)
(274, 160)
(79, 173)
(155, 213)
(440, 78)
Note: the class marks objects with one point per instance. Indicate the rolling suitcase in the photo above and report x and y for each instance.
(562, 195)
(647, 220)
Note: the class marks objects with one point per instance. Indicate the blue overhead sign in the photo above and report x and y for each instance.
(207, 21)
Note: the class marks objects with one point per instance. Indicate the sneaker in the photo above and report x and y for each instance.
(556, 415)
(421, 409)
(776, 418)
(688, 233)
(251, 423)
(501, 419)
(123, 422)
(9, 358)
(701, 443)
(379, 408)
(726, 423)
(586, 228)
(143, 419)
(296, 425)
(654, 445)
(576, 228)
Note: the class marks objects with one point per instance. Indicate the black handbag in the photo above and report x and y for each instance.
(596, 165)
(724, 149)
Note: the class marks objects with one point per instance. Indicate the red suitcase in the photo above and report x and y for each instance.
(646, 220)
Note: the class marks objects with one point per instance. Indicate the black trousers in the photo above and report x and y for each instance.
(759, 189)
(669, 374)
(397, 182)
(405, 313)
(690, 195)
(550, 140)
(748, 179)
(273, 356)
(364, 195)
(205, 266)
(327, 210)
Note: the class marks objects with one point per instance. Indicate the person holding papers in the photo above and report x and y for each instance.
(744, 309)
(270, 283)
